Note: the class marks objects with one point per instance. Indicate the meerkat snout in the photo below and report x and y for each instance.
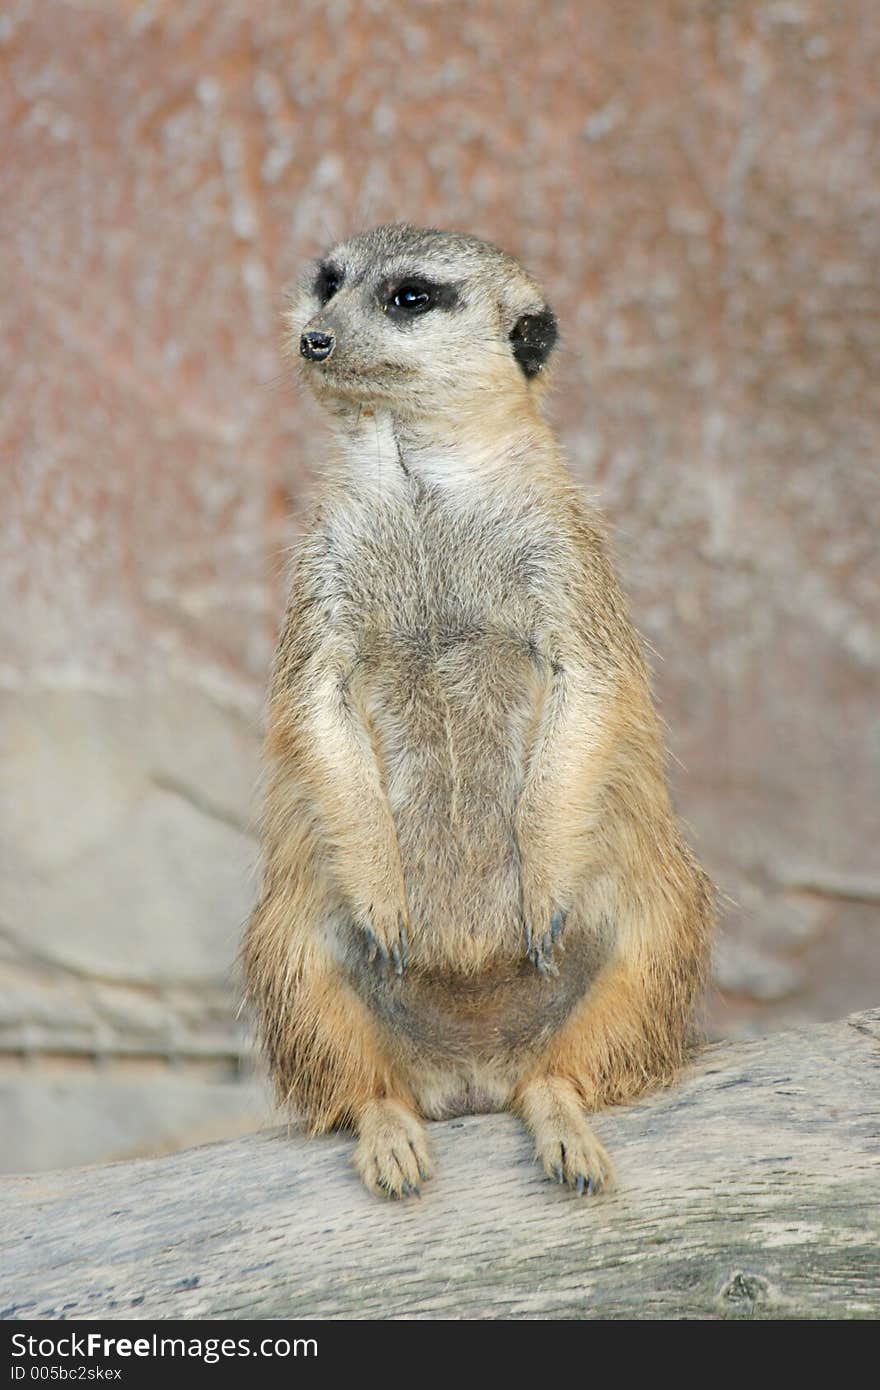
(316, 346)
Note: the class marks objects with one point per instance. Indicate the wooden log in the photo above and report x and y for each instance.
(750, 1190)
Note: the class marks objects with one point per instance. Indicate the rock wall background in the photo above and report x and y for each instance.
(696, 183)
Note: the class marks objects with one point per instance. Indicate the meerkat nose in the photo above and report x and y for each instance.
(317, 347)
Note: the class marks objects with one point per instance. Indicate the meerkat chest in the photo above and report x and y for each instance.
(434, 583)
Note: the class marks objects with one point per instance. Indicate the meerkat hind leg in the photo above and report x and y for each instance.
(392, 1152)
(565, 1144)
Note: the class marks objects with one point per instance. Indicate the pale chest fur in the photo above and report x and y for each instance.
(445, 605)
(425, 567)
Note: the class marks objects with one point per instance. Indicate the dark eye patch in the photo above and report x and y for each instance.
(328, 282)
(413, 295)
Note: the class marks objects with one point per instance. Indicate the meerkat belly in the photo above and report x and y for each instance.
(450, 716)
(463, 1039)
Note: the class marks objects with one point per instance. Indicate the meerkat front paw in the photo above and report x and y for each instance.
(385, 929)
(543, 933)
(392, 1152)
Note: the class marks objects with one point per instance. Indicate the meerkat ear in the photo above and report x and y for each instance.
(533, 338)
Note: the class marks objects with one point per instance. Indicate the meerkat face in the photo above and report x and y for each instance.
(420, 321)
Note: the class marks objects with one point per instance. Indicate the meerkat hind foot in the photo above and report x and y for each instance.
(565, 1145)
(392, 1152)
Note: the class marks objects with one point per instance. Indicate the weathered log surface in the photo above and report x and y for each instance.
(752, 1189)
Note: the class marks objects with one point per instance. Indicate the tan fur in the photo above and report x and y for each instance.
(462, 748)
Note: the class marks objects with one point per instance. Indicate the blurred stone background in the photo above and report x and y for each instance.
(696, 183)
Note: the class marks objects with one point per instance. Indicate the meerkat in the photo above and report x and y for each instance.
(476, 895)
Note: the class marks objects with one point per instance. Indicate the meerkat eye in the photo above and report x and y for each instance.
(409, 298)
(328, 282)
(413, 297)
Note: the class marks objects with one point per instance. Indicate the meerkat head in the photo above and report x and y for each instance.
(419, 321)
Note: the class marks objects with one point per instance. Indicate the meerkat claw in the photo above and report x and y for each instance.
(543, 962)
(557, 924)
(390, 948)
(541, 949)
